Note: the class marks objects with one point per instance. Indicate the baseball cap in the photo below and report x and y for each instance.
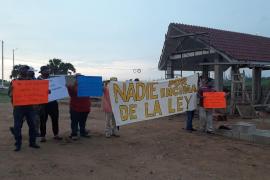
(44, 68)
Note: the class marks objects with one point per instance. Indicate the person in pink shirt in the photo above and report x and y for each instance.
(110, 128)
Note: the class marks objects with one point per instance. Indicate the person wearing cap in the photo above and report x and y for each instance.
(49, 109)
(79, 109)
(31, 76)
(19, 112)
(205, 115)
(110, 127)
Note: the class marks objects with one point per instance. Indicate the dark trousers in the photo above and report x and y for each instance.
(50, 109)
(190, 115)
(78, 119)
(19, 112)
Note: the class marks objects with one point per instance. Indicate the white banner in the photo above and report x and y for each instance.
(138, 101)
(57, 87)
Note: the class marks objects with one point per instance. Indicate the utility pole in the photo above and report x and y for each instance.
(2, 64)
(13, 56)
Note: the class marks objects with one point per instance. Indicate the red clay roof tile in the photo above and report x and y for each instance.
(240, 46)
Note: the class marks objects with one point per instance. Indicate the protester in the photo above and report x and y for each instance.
(79, 110)
(205, 115)
(31, 73)
(190, 113)
(31, 76)
(110, 128)
(189, 125)
(19, 112)
(49, 109)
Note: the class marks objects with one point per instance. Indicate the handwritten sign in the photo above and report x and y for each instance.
(214, 100)
(57, 86)
(89, 86)
(144, 100)
(30, 92)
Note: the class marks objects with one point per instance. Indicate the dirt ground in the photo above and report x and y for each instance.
(155, 149)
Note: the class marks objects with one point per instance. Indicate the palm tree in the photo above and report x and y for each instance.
(58, 67)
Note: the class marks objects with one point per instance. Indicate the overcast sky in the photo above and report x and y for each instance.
(112, 37)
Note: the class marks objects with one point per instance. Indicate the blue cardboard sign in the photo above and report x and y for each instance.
(89, 86)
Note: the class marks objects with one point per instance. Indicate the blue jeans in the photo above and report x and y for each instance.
(78, 119)
(19, 112)
(190, 115)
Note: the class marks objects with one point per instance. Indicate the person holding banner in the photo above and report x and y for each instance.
(205, 114)
(190, 114)
(189, 125)
(19, 112)
(79, 110)
(110, 129)
(49, 109)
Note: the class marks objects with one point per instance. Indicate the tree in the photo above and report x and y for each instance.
(60, 68)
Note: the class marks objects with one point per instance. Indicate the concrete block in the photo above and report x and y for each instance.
(262, 132)
(261, 136)
(246, 137)
(223, 132)
(261, 139)
(244, 128)
(247, 132)
(235, 134)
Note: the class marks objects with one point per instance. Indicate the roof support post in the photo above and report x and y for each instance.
(169, 70)
(218, 76)
(234, 70)
(256, 85)
(205, 72)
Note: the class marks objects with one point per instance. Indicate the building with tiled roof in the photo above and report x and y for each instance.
(195, 48)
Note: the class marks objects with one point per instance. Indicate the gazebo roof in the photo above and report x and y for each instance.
(236, 46)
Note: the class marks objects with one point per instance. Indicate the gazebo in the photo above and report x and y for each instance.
(195, 48)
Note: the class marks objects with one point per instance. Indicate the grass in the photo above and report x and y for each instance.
(265, 83)
(3, 96)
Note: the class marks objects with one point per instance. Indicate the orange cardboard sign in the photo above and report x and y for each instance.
(213, 100)
(30, 92)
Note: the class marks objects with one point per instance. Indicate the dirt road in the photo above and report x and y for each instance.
(156, 149)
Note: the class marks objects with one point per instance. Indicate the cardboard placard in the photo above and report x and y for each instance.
(58, 89)
(30, 92)
(89, 86)
(214, 100)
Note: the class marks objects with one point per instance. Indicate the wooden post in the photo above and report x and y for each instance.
(233, 100)
(205, 72)
(256, 85)
(218, 76)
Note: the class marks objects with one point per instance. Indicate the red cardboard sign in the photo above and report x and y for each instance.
(30, 92)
